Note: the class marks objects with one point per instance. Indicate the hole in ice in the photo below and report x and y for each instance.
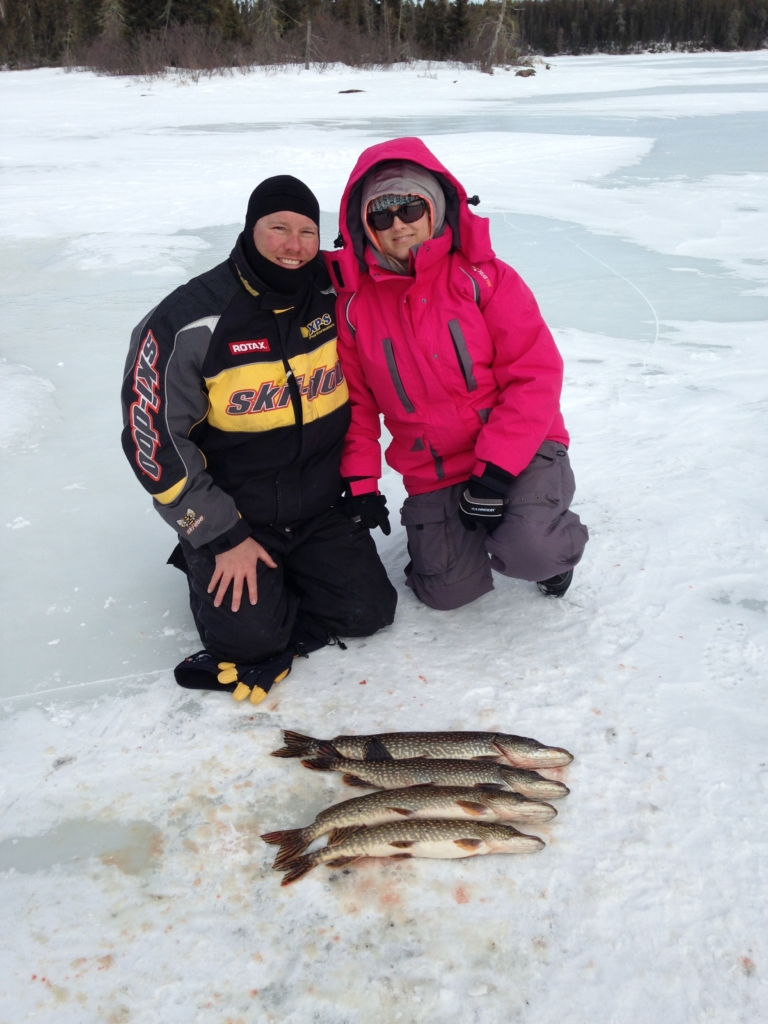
(132, 846)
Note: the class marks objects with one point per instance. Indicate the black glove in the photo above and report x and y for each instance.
(482, 500)
(369, 509)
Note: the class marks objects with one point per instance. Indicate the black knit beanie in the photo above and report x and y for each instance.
(273, 195)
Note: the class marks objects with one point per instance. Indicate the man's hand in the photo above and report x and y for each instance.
(236, 566)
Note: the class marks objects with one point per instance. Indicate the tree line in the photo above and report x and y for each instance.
(147, 36)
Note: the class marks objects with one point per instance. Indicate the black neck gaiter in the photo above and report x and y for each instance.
(275, 195)
(275, 277)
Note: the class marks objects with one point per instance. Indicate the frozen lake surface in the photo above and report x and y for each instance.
(632, 194)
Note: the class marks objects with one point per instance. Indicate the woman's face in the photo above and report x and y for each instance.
(288, 239)
(400, 238)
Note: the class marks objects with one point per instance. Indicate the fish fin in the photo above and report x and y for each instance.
(297, 869)
(402, 844)
(278, 838)
(401, 856)
(292, 842)
(401, 810)
(326, 749)
(468, 844)
(339, 862)
(338, 835)
(353, 780)
(491, 787)
(286, 857)
(318, 764)
(376, 751)
(485, 757)
(296, 745)
(471, 808)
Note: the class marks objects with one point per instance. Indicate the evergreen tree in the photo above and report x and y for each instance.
(35, 32)
(458, 25)
(112, 18)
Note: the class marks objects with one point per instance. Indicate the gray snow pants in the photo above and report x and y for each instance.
(538, 538)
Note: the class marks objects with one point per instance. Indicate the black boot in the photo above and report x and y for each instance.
(204, 671)
(556, 586)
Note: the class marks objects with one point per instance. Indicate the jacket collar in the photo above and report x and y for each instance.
(427, 255)
(270, 299)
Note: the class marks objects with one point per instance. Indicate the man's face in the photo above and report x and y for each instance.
(400, 238)
(288, 239)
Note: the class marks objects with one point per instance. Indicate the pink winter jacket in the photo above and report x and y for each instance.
(456, 357)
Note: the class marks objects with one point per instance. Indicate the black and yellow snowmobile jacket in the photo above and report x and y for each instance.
(234, 406)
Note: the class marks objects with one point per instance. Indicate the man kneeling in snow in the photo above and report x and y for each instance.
(235, 410)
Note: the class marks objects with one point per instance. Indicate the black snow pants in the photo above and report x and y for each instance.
(327, 567)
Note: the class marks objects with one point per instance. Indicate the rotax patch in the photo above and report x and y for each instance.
(241, 348)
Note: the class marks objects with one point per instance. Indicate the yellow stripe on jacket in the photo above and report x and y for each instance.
(257, 396)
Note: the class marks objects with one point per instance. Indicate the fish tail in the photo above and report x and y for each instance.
(298, 868)
(292, 842)
(297, 745)
(319, 764)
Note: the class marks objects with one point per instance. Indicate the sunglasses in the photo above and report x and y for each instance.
(408, 214)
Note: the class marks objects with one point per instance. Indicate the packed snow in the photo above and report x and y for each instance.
(632, 194)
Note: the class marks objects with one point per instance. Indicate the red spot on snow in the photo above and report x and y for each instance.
(748, 966)
(363, 682)
(460, 894)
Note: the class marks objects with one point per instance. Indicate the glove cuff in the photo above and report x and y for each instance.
(476, 488)
(362, 485)
(492, 477)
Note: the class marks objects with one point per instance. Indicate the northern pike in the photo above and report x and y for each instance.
(414, 802)
(403, 839)
(419, 770)
(498, 746)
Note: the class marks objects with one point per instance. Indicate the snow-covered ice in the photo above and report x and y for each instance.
(632, 194)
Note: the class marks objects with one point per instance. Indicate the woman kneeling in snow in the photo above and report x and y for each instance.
(448, 343)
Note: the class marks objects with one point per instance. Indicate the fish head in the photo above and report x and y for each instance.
(526, 753)
(515, 842)
(513, 807)
(539, 788)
